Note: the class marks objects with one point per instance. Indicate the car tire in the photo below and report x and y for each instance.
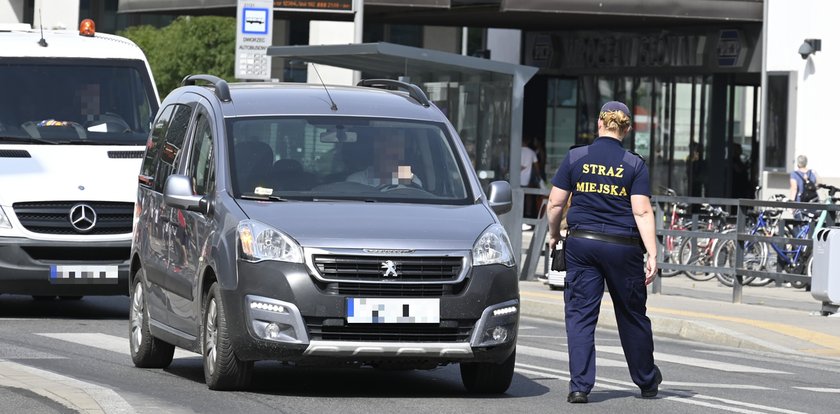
(488, 377)
(222, 369)
(146, 350)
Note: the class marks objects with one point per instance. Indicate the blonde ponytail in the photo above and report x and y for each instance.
(615, 121)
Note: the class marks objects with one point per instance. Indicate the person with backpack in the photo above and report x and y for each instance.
(803, 182)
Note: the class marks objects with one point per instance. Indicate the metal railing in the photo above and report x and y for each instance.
(744, 209)
(740, 211)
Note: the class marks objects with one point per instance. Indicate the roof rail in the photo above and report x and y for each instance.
(413, 90)
(221, 87)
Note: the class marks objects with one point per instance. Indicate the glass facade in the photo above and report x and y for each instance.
(672, 128)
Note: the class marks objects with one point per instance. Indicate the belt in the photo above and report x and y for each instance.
(609, 238)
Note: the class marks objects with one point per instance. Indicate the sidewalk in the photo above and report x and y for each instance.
(770, 318)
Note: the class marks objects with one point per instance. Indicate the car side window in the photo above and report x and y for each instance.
(201, 163)
(154, 144)
(175, 135)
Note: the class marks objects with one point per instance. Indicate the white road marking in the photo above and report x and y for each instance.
(542, 336)
(69, 392)
(696, 362)
(815, 389)
(107, 342)
(671, 395)
(563, 356)
(716, 385)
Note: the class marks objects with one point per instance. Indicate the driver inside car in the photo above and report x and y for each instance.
(93, 118)
(389, 169)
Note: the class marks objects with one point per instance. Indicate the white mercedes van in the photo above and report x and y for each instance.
(75, 113)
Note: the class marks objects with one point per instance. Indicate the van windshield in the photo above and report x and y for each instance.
(75, 101)
(332, 158)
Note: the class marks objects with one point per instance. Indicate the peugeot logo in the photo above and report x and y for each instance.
(390, 268)
(82, 217)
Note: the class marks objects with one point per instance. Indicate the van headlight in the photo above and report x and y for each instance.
(493, 247)
(258, 242)
(4, 221)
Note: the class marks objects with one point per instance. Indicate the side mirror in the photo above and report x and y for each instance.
(501, 200)
(178, 193)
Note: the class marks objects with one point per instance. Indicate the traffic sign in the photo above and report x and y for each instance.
(253, 37)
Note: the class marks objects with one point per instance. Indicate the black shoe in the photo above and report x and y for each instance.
(657, 379)
(578, 397)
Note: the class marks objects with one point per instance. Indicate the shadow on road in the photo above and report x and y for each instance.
(274, 378)
(93, 307)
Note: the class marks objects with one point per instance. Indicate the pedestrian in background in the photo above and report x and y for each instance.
(611, 225)
(529, 178)
(800, 178)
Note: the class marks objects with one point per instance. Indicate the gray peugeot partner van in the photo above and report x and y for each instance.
(318, 225)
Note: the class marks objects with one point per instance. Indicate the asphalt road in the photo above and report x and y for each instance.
(84, 343)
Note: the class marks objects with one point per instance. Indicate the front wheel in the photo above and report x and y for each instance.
(488, 377)
(755, 258)
(222, 369)
(146, 350)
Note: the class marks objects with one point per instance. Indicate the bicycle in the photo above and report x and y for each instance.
(699, 251)
(678, 212)
(790, 258)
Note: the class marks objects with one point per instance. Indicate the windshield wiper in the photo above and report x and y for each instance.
(262, 197)
(29, 139)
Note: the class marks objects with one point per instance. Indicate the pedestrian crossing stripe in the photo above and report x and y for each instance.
(106, 342)
(658, 356)
(824, 390)
(691, 398)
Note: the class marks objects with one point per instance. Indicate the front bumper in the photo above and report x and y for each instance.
(36, 267)
(311, 321)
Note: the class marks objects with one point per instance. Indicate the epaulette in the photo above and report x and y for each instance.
(638, 155)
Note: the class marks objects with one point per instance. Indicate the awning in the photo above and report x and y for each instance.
(731, 10)
(163, 6)
(392, 60)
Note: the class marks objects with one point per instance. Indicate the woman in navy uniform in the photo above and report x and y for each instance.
(611, 226)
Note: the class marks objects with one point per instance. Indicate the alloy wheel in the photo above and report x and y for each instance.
(137, 318)
(210, 333)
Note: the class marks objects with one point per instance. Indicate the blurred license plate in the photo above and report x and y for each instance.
(83, 274)
(387, 310)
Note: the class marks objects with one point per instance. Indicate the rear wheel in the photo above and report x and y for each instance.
(488, 377)
(692, 252)
(222, 369)
(146, 350)
(809, 271)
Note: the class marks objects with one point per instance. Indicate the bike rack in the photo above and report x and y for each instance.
(740, 235)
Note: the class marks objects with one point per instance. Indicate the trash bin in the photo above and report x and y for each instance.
(825, 281)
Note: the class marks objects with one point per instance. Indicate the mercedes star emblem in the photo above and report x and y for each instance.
(82, 217)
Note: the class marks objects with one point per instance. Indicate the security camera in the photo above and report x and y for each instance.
(805, 50)
(809, 47)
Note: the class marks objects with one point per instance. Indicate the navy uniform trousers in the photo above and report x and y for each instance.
(589, 264)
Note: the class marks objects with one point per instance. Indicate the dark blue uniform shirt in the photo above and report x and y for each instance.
(602, 177)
